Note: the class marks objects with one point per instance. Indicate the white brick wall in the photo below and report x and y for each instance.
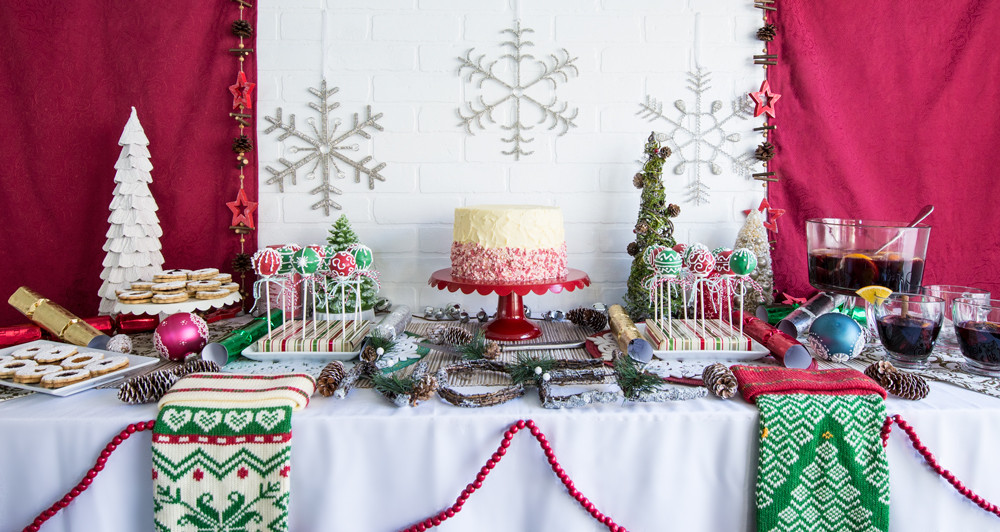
(399, 56)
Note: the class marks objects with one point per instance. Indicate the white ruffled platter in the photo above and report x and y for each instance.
(167, 309)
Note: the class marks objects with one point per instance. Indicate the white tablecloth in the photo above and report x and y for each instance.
(361, 464)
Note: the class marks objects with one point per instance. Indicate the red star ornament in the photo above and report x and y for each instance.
(771, 215)
(764, 100)
(242, 210)
(241, 92)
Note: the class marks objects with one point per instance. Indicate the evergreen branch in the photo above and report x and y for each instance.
(523, 371)
(391, 384)
(632, 379)
(381, 339)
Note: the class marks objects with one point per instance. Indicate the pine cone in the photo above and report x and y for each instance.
(880, 371)
(633, 249)
(906, 386)
(492, 351)
(719, 380)
(242, 263)
(454, 335)
(366, 368)
(242, 144)
(673, 210)
(766, 33)
(423, 389)
(765, 152)
(665, 152)
(330, 378)
(641, 228)
(242, 28)
(637, 180)
(369, 354)
(196, 366)
(147, 388)
(588, 318)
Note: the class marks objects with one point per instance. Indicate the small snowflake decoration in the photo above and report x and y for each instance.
(513, 94)
(324, 148)
(702, 137)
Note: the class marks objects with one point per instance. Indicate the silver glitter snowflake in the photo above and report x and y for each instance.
(324, 148)
(700, 137)
(514, 97)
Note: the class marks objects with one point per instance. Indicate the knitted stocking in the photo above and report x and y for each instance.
(221, 452)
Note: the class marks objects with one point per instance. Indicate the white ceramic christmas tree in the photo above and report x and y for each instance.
(133, 245)
(753, 236)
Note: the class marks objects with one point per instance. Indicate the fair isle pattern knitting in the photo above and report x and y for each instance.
(221, 452)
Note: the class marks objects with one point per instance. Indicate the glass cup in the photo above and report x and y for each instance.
(949, 293)
(908, 325)
(977, 326)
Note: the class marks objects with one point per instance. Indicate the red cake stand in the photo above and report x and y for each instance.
(510, 323)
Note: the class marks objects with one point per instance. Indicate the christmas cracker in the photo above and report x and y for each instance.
(627, 335)
(229, 347)
(55, 319)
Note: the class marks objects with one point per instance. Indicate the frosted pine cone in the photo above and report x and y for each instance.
(907, 386)
(880, 370)
(147, 388)
(331, 377)
(423, 389)
(588, 318)
(492, 351)
(369, 354)
(454, 335)
(196, 366)
(719, 380)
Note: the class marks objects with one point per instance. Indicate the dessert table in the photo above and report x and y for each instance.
(363, 464)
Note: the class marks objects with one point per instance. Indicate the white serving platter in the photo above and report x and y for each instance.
(134, 362)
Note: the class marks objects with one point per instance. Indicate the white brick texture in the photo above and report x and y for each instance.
(401, 57)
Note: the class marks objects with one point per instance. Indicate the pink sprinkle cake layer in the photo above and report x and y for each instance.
(472, 261)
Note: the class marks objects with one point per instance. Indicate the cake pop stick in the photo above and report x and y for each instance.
(267, 262)
(742, 262)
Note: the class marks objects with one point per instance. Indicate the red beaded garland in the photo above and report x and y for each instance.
(84, 483)
(508, 435)
(932, 462)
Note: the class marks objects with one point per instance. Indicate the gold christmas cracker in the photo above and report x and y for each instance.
(52, 317)
(622, 327)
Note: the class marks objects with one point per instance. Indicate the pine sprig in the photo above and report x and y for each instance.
(380, 339)
(391, 384)
(632, 379)
(523, 371)
(479, 348)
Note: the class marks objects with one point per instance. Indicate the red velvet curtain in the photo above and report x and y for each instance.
(69, 73)
(886, 107)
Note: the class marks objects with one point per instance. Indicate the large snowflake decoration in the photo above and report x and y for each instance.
(324, 148)
(514, 98)
(700, 137)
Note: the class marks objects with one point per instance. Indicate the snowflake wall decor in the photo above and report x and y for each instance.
(324, 148)
(701, 137)
(513, 96)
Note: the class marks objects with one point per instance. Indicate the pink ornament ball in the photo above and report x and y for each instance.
(701, 262)
(179, 335)
(343, 264)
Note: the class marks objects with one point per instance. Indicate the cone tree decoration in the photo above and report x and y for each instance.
(652, 227)
(753, 236)
(133, 245)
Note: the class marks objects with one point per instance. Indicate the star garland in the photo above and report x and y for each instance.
(764, 101)
(242, 208)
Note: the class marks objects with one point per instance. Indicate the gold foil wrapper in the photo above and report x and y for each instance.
(52, 317)
(622, 327)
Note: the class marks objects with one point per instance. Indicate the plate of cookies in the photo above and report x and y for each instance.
(172, 291)
(63, 369)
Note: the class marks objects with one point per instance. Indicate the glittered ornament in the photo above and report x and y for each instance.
(363, 257)
(722, 262)
(180, 335)
(266, 262)
(343, 264)
(836, 337)
(742, 261)
(120, 343)
(700, 261)
(668, 263)
(306, 261)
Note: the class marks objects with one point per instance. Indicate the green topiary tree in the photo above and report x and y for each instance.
(652, 227)
(340, 238)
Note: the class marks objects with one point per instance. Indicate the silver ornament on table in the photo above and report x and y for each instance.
(482, 316)
(453, 310)
(463, 317)
(429, 312)
(439, 314)
(527, 312)
(600, 307)
(383, 304)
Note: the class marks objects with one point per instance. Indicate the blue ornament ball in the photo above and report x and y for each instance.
(836, 337)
